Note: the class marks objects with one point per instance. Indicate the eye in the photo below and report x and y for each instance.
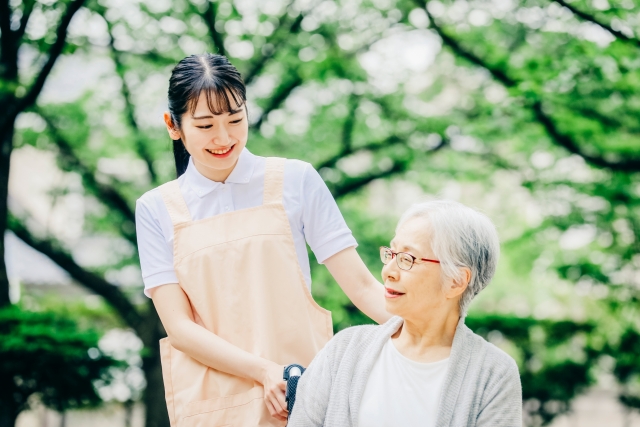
(236, 121)
(204, 127)
(405, 257)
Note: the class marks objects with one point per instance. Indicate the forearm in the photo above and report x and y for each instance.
(211, 350)
(206, 347)
(186, 335)
(366, 293)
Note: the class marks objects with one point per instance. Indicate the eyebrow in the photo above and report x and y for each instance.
(232, 112)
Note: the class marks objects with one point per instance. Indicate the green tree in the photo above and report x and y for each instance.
(540, 95)
(46, 356)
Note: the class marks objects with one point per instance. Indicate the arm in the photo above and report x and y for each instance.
(312, 395)
(176, 315)
(503, 405)
(333, 244)
(355, 279)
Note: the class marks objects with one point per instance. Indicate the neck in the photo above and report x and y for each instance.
(217, 175)
(428, 338)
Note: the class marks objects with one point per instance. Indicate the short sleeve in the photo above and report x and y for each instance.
(156, 254)
(325, 230)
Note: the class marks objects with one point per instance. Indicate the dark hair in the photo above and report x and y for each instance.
(221, 83)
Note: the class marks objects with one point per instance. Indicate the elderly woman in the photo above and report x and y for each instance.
(423, 367)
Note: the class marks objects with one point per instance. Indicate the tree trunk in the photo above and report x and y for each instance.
(6, 147)
(151, 332)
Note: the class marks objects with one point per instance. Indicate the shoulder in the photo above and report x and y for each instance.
(355, 334)
(303, 180)
(359, 339)
(150, 203)
(496, 361)
(297, 169)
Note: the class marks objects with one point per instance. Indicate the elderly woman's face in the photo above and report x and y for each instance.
(412, 293)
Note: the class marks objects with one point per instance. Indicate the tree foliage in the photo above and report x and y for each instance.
(47, 357)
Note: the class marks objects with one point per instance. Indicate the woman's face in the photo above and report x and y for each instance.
(213, 141)
(423, 289)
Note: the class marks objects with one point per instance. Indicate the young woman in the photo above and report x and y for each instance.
(224, 259)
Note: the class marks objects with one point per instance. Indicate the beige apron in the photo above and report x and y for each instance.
(241, 274)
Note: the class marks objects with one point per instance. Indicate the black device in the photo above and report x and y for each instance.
(291, 375)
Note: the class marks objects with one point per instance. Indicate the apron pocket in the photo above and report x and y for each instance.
(236, 410)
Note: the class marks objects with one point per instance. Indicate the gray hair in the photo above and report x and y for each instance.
(460, 237)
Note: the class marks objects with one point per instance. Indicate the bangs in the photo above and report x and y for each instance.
(221, 97)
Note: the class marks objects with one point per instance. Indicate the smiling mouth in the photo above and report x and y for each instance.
(392, 293)
(222, 152)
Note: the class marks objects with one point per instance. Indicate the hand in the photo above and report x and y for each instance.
(274, 391)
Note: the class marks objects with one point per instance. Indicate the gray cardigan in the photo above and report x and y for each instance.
(482, 387)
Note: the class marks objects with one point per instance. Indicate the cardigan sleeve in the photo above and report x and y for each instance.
(312, 396)
(502, 405)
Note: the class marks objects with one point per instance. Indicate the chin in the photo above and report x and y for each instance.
(220, 164)
(393, 308)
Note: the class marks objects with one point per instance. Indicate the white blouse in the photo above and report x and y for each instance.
(402, 392)
(313, 214)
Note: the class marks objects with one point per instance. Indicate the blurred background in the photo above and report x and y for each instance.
(527, 110)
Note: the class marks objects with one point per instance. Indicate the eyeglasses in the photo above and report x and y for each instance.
(404, 260)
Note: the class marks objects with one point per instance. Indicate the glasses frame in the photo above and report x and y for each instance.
(395, 255)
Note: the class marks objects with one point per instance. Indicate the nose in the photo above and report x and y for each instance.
(221, 136)
(391, 271)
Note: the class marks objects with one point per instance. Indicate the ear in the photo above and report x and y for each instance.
(173, 131)
(460, 284)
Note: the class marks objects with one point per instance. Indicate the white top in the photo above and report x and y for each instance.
(401, 392)
(313, 213)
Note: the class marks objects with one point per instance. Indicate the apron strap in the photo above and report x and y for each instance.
(273, 180)
(177, 207)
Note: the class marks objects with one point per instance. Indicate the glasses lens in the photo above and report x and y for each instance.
(405, 261)
(385, 255)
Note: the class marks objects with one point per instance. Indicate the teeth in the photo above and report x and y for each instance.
(219, 151)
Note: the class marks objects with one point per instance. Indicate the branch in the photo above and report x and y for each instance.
(8, 43)
(141, 147)
(354, 184)
(332, 161)
(627, 165)
(497, 73)
(278, 98)
(114, 296)
(349, 123)
(26, 14)
(5, 25)
(590, 18)
(105, 193)
(609, 122)
(55, 51)
(210, 19)
(259, 65)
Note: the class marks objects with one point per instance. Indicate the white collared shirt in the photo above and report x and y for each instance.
(313, 214)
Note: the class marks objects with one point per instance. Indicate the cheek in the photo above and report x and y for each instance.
(193, 138)
(241, 133)
(428, 289)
